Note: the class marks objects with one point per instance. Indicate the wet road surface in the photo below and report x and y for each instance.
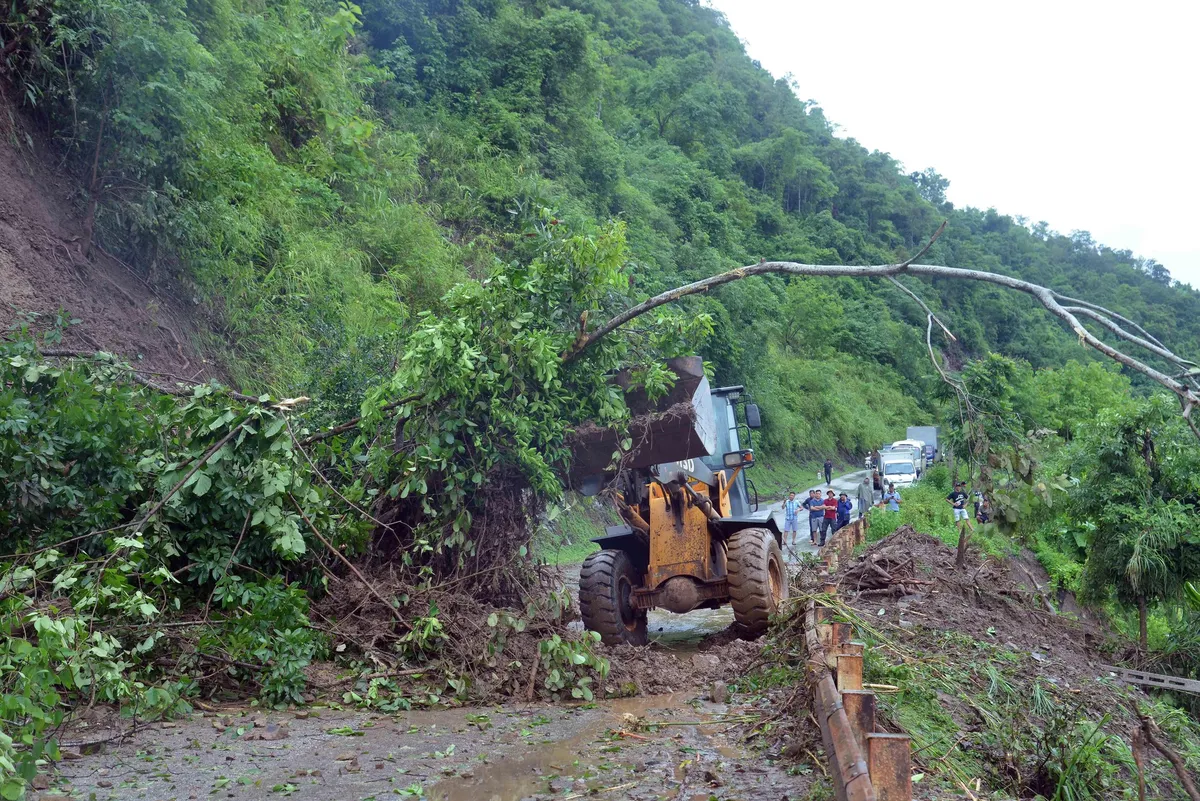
(676, 746)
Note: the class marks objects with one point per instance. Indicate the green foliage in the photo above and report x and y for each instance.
(1139, 494)
(924, 507)
(485, 399)
(572, 665)
(121, 506)
(335, 169)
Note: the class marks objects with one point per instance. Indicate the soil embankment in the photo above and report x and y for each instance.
(998, 690)
(45, 267)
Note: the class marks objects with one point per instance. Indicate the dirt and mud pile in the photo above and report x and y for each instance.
(911, 578)
(1003, 691)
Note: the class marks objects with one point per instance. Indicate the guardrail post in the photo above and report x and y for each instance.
(889, 761)
(824, 625)
(849, 671)
(829, 587)
(860, 708)
(842, 632)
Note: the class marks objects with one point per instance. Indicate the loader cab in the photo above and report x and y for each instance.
(727, 402)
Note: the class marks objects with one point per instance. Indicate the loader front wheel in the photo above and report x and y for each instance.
(606, 584)
(757, 578)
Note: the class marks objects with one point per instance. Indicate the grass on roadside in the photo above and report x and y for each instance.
(567, 540)
(923, 506)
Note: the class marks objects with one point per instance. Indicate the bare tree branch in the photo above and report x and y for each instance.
(762, 268)
(932, 317)
(1109, 313)
(1153, 347)
(1049, 300)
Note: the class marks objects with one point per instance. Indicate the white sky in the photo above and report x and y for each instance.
(1082, 114)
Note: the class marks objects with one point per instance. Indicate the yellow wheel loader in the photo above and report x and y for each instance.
(693, 537)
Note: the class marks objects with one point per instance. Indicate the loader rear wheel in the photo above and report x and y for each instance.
(606, 584)
(757, 579)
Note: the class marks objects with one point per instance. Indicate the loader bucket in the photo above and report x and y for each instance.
(679, 426)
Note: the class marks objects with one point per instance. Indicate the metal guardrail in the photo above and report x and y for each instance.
(865, 765)
(1159, 680)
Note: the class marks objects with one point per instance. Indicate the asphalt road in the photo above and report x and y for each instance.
(847, 483)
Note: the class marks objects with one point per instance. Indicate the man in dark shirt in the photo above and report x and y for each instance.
(816, 513)
(958, 501)
(828, 471)
(844, 508)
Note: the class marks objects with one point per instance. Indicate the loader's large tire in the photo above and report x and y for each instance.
(757, 578)
(606, 584)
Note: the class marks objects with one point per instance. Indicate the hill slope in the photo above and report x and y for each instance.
(334, 169)
(43, 270)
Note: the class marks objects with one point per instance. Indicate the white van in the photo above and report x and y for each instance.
(898, 467)
(917, 449)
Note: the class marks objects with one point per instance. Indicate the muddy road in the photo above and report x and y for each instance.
(678, 746)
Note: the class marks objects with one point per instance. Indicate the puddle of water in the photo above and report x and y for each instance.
(513, 779)
(516, 778)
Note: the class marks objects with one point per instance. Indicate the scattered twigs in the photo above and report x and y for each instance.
(533, 676)
(1045, 599)
(383, 674)
(1151, 732)
(612, 789)
(342, 558)
(622, 733)
(229, 563)
(1137, 746)
(140, 378)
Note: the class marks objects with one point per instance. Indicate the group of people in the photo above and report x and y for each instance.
(829, 513)
(825, 515)
(958, 502)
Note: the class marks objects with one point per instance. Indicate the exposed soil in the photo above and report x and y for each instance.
(988, 601)
(957, 624)
(43, 267)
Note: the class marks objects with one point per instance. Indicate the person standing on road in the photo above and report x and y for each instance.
(892, 499)
(791, 519)
(958, 501)
(844, 508)
(829, 519)
(866, 496)
(828, 471)
(816, 513)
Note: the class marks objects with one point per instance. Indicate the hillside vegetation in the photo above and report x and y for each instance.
(400, 221)
(335, 169)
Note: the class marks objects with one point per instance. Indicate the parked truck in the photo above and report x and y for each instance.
(928, 435)
(916, 448)
(898, 467)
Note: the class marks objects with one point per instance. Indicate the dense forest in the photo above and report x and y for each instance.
(338, 168)
(402, 215)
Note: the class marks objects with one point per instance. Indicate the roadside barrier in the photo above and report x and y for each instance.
(864, 764)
